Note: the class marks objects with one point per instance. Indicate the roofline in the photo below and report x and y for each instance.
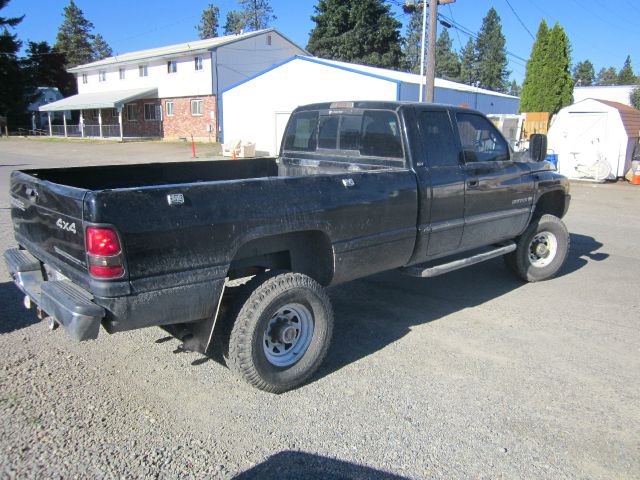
(632, 85)
(92, 66)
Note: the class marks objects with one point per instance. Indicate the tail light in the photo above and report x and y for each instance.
(104, 253)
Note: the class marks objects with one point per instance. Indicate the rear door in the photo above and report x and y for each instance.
(47, 220)
(498, 192)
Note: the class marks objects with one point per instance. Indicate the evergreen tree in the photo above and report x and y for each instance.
(447, 61)
(607, 76)
(360, 32)
(626, 75)
(413, 42)
(469, 64)
(74, 36)
(15, 90)
(534, 85)
(492, 54)
(514, 89)
(44, 67)
(234, 24)
(556, 71)
(256, 14)
(100, 48)
(634, 98)
(583, 74)
(209, 22)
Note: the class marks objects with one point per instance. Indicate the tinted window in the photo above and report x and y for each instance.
(302, 132)
(380, 134)
(480, 139)
(350, 132)
(328, 132)
(438, 139)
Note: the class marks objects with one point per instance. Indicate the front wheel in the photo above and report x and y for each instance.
(541, 250)
(282, 331)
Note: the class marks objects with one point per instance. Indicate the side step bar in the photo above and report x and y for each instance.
(422, 272)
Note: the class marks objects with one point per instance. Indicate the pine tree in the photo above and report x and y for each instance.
(556, 71)
(256, 14)
(100, 48)
(634, 98)
(447, 60)
(626, 75)
(584, 74)
(469, 64)
(607, 76)
(209, 22)
(15, 90)
(45, 68)
(360, 32)
(234, 24)
(492, 54)
(413, 42)
(514, 89)
(534, 85)
(74, 36)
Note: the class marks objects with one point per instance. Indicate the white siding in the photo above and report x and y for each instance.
(615, 93)
(481, 101)
(187, 81)
(256, 110)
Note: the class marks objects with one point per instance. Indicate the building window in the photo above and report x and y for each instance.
(198, 63)
(131, 112)
(169, 108)
(197, 107)
(122, 70)
(268, 39)
(94, 113)
(172, 66)
(142, 70)
(85, 78)
(114, 113)
(102, 76)
(150, 112)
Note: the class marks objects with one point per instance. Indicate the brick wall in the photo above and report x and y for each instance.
(184, 124)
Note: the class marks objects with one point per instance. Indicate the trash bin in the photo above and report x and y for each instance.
(553, 158)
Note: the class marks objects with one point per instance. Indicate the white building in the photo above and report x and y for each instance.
(170, 91)
(257, 108)
(613, 93)
(44, 95)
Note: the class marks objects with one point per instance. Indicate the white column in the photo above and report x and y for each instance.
(81, 124)
(120, 122)
(100, 121)
(64, 122)
(50, 128)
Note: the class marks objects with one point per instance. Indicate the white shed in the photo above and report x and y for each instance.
(594, 139)
(257, 109)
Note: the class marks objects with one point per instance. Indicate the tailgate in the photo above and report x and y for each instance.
(47, 220)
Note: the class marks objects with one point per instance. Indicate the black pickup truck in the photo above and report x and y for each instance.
(358, 188)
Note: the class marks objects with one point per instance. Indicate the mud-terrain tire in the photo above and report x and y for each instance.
(282, 331)
(541, 250)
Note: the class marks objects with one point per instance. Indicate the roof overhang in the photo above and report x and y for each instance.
(87, 101)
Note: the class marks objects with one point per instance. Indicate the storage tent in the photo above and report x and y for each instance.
(257, 109)
(594, 139)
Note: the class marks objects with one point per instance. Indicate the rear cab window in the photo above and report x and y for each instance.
(348, 136)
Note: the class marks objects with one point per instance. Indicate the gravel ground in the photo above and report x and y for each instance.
(469, 375)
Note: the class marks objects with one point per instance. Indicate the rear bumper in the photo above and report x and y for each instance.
(71, 306)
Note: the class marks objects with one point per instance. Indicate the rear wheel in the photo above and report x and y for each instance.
(282, 331)
(541, 250)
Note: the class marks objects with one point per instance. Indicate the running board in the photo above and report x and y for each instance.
(421, 272)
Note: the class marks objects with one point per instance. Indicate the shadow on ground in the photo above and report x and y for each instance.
(13, 316)
(290, 465)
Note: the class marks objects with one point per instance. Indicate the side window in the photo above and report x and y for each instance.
(302, 132)
(438, 139)
(380, 134)
(480, 139)
(328, 132)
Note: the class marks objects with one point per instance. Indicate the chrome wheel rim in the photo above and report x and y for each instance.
(543, 249)
(288, 335)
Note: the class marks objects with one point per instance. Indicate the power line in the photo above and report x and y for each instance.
(520, 20)
(457, 32)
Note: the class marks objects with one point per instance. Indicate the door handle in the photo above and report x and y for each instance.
(473, 184)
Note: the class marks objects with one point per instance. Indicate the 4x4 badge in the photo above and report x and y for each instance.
(69, 227)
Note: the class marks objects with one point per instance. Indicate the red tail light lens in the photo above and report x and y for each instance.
(106, 272)
(102, 242)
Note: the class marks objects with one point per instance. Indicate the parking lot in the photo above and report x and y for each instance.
(469, 375)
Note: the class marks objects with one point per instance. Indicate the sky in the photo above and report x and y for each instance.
(603, 35)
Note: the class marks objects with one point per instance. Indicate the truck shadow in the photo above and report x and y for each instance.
(376, 311)
(290, 465)
(13, 316)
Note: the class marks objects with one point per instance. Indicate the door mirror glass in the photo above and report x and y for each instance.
(538, 147)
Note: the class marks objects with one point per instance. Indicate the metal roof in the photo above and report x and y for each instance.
(196, 46)
(87, 101)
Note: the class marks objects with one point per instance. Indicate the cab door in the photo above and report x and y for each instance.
(498, 191)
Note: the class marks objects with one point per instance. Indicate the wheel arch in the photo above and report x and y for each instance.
(552, 202)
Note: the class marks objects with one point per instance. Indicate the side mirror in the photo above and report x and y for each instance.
(538, 147)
